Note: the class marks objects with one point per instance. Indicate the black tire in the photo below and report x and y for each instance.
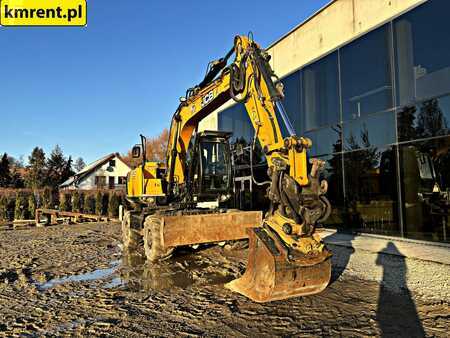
(154, 251)
(131, 238)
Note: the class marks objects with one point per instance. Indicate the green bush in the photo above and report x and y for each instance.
(64, 202)
(3, 208)
(76, 201)
(105, 203)
(47, 200)
(113, 207)
(11, 208)
(20, 207)
(81, 199)
(89, 204)
(98, 203)
(31, 206)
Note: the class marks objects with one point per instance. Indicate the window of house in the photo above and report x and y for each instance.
(111, 182)
(100, 181)
(112, 163)
(122, 180)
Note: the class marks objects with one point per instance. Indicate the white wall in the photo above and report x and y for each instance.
(120, 169)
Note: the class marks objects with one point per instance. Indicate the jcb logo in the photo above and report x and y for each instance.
(207, 98)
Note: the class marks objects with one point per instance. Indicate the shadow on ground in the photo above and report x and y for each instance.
(396, 312)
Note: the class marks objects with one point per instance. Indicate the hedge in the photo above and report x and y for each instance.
(22, 203)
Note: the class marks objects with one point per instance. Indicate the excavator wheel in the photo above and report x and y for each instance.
(272, 275)
(154, 250)
(131, 238)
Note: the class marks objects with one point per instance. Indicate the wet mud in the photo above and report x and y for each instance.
(76, 280)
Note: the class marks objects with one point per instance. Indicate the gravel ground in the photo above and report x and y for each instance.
(74, 280)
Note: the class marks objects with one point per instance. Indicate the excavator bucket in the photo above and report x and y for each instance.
(273, 273)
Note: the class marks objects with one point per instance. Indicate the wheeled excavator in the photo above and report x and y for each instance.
(286, 255)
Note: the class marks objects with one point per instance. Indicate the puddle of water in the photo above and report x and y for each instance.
(181, 271)
(89, 276)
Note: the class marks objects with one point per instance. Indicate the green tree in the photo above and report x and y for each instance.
(79, 164)
(68, 170)
(5, 171)
(89, 203)
(105, 203)
(113, 207)
(47, 198)
(20, 207)
(31, 205)
(57, 168)
(64, 202)
(36, 171)
(98, 203)
(3, 208)
(76, 201)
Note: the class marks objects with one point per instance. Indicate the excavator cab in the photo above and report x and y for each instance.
(209, 165)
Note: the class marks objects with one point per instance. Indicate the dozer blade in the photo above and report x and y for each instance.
(273, 274)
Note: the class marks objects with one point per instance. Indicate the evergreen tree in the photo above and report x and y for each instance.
(79, 164)
(17, 181)
(20, 207)
(98, 203)
(31, 206)
(113, 207)
(64, 202)
(36, 171)
(5, 171)
(76, 201)
(89, 204)
(47, 198)
(105, 203)
(56, 165)
(4, 208)
(67, 171)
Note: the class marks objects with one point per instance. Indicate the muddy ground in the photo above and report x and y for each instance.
(74, 280)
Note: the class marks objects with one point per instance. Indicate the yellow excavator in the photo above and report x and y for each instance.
(286, 255)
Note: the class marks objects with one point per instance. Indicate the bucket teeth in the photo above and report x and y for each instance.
(270, 275)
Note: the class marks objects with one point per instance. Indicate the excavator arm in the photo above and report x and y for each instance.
(286, 256)
(249, 80)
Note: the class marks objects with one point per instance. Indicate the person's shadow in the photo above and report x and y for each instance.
(342, 249)
(396, 312)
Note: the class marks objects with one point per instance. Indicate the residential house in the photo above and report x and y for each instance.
(109, 172)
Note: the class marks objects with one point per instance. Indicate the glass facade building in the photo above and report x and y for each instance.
(378, 111)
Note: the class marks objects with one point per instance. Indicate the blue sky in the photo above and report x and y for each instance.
(93, 90)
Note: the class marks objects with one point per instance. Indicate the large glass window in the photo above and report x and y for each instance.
(333, 174)
(292, 100)
(325, 140)
(423, 52)
(429, 118)
(425, 174)
(320, 93)
(366, 74)
(373, 130)
(370, 190)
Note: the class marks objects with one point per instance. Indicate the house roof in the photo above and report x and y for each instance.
(90, 168)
